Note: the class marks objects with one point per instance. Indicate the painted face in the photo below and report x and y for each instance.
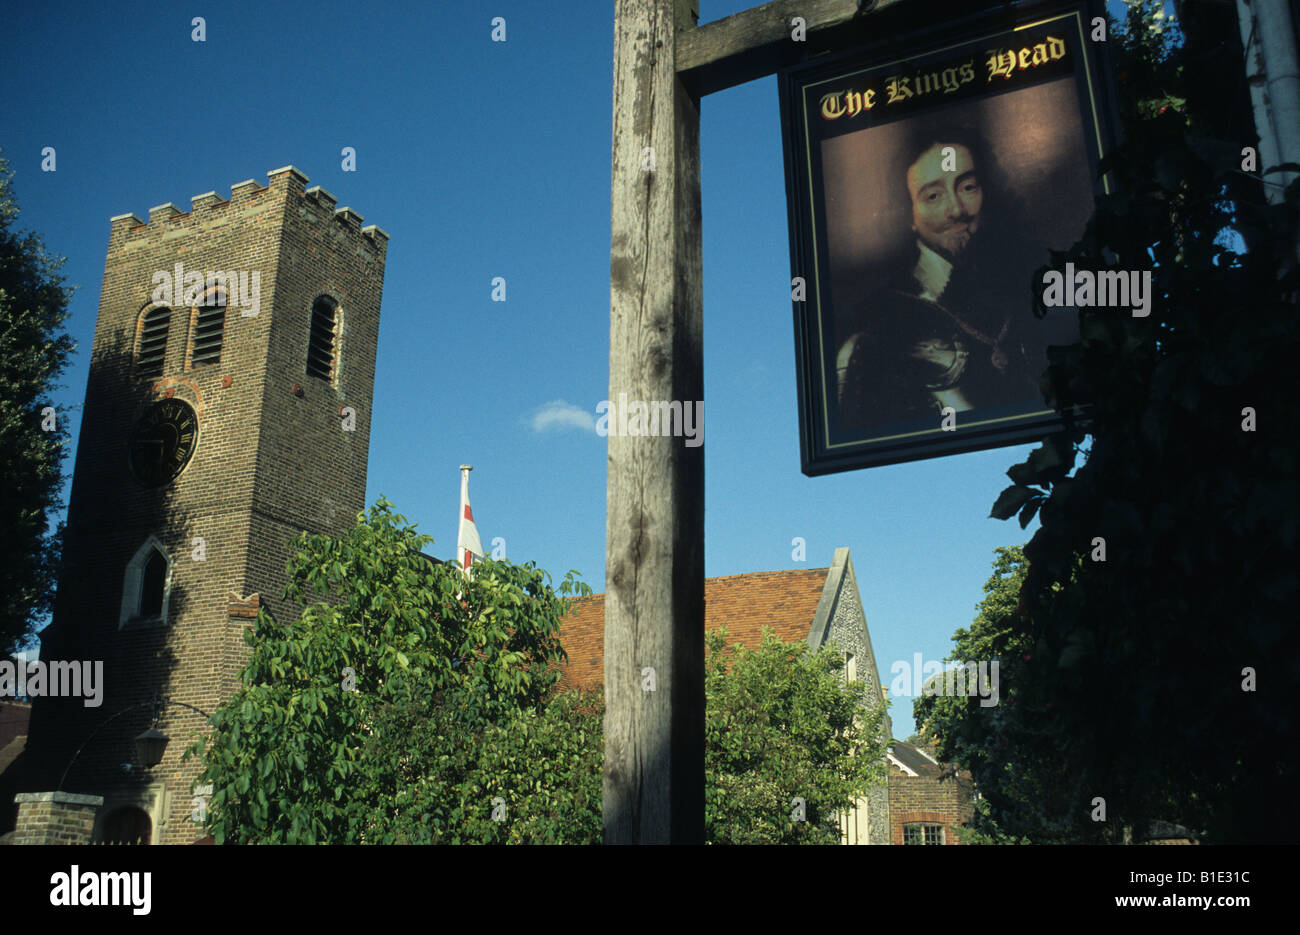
(946, 198)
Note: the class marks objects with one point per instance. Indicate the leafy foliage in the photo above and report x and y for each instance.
(295, 757)
(532, 778)
(1022, 792)
(1132, 684)
(782, 723)
(453, 734)
(33, 352)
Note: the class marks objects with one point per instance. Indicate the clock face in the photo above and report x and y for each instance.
(163, 442)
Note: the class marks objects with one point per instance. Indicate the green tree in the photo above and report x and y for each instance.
(1023, 795)
(1163, 579)
(532, 778)
(782, 724)
(301, 754)
(453, 733)
(34, 351)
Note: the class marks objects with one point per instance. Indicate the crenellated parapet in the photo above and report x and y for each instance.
(286, 189)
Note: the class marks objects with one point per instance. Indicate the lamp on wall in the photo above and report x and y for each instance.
(150, 744)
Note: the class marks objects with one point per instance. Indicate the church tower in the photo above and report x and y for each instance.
(228, 410)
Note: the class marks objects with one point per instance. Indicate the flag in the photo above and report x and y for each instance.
(468, 544)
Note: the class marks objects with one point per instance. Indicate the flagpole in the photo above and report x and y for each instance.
(468, 544)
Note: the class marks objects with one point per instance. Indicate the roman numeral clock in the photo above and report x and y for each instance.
(162, 442)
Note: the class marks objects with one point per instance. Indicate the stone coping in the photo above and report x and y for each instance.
(60, 798)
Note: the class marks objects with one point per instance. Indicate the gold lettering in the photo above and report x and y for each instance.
(1040, 55)
(831, 107)
(1023, 64)
(950, 82)
(1002, 63)
(968, 72)
(1055, 48)
(898, 88)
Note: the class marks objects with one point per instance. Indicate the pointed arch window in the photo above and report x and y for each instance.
(146, 588)
(322, 341)
(153, 341)
(209, 327)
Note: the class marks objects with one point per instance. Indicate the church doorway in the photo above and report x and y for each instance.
(127, 825)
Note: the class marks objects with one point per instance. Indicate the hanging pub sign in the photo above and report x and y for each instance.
(926, 186)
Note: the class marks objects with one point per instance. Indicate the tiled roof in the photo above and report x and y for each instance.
(914, 759)
(785, 601)
(12, 751)
(14, 716)
(921, 761)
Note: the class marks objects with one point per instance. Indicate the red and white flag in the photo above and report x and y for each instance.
(468, 544)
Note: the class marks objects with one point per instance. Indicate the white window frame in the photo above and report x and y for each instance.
(133, 586)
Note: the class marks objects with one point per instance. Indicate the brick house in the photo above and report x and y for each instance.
(218, 424)
(927, 800)
(815, 606)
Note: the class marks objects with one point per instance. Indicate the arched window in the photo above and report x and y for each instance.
(146, 589)
(321, 341)
(128, 825)
(153, 584)
(153, 341)
(209, 327)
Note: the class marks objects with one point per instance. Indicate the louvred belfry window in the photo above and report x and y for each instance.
(153, 341)
(209, 328)
(320, 343)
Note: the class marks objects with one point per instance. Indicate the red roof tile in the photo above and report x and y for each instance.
(785, 601)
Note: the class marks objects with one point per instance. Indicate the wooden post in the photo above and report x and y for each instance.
(654, 548)
(654, 534)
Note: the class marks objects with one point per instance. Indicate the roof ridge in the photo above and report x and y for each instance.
(757, 574)
(822, 572)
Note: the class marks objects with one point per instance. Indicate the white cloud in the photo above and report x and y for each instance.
(559, 415)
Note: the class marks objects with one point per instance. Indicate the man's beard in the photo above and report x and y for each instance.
(955, 246)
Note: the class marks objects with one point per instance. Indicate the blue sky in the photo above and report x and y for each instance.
(485, 159)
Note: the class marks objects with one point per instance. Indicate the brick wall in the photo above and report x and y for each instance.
(929, 798)
(55, 818)
(269, 464)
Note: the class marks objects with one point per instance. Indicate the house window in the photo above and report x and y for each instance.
(146, 588)
(153, 341)
(209, 327)
(850, 668)
(923, 833)
(320, 343)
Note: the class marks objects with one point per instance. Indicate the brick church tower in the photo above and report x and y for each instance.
(222, 418)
